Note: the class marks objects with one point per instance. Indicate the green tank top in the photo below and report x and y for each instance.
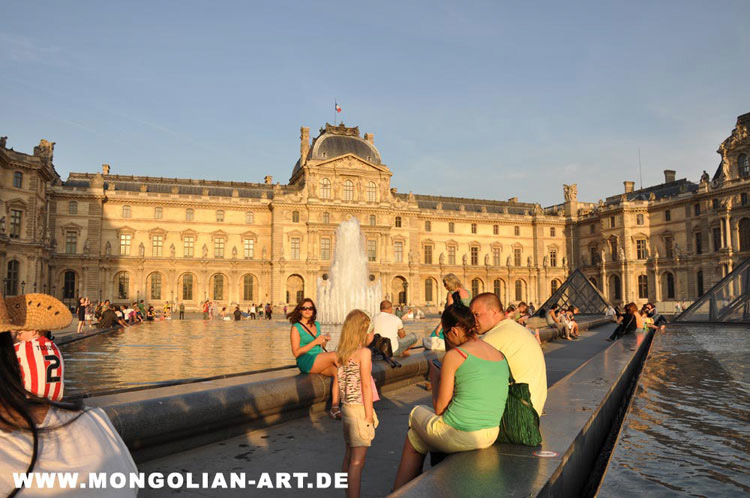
(479, 394)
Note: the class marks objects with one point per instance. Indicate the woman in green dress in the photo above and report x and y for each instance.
(308, 347)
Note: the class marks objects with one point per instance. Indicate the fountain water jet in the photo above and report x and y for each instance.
(347, 286)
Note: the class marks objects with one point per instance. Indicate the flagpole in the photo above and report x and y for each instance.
(335, 103)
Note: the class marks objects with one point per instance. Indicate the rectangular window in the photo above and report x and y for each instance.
(716, 232)
(640, 249)
(451, 227)
(668, 215)
(743, 198)
(15, 223)
(715, 203)
(249, 248)
(398, 252)
(125, 239)
(496, 257)
(473, 228)
(592, 228)
(495, 229)
(552, 231)
(72, 207)
(669, 252)
(611, 222)
(325, 248)
(372, 250)
(698, 243)
(18, 179)
(189, 247)
(157, 244)
(474, 256)
(697, 209)
(220, 216)
(452, 255)
(219, 247)
(295, 248)
(516, 257)
(71, 241)
(158, 213)
(189, 215)
(428, 255)
(553, 258)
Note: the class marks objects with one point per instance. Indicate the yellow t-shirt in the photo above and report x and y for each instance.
(525, 358)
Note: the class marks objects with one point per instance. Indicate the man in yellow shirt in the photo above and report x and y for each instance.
(516, 342)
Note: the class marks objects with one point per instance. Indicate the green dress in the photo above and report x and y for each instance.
(305, 361)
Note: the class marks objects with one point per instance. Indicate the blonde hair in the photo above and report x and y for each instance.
(353, 335)
(452, 282)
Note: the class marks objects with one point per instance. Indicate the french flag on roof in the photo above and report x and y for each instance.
(338, 107)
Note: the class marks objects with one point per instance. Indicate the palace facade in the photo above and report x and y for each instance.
(127, 238)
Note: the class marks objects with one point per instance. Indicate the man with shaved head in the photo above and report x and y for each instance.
(516, 342)
(390, 326)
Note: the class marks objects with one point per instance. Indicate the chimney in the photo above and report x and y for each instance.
(3, 142)
(268, 180)
(669, 175)
(105, 169)
(628, 186)
(370, 137)
(304, 145)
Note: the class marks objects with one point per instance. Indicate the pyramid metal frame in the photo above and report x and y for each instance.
(593, 302)
(729, 296)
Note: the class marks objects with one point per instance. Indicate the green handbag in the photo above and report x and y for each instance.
(520, 422)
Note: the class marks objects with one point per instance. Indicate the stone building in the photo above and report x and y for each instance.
(129, 238)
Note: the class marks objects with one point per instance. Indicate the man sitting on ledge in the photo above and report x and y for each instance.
(516, 343)
(391, 327)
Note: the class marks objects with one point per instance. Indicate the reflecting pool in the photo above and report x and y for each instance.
(688, 431)
(169, 350)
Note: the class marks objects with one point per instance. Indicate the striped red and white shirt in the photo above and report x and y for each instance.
(41, 367)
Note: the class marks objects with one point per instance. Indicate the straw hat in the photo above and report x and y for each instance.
(33, 312)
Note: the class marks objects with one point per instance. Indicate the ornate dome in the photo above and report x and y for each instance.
(337, 141)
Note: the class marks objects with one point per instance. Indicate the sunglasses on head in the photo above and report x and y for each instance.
(306, 308)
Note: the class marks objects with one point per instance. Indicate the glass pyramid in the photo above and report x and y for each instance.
(579, 292)
(728, 301)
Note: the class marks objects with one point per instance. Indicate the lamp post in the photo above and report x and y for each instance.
(23, 286)
(406, 292)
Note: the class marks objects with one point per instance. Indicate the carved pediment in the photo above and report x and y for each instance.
(16, 203)
(157, 231)
(294, 233)
(125, 230)
(249, 235)
(218, 234)
(188, 233)
(350, 162)
(71, 227)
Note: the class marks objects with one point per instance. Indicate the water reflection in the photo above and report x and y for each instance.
(688, 431)
(170, 350)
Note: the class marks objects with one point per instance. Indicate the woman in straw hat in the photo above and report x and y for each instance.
(41, 435)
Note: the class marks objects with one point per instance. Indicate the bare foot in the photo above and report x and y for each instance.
(406, 353)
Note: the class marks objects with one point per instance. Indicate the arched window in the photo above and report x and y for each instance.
(189, 214)
(295, 216)
(699, 282)
(247, 288)
(373, 220)
(218, 287)
(249, 218)
(615, 288)
(613, 248)
(668, 285)
(11, 282)
(743, 166)
(325, 188)
(187, 287)
(326, 218)
(451, 227)
(428, 290)
(398, 222)
(497, 288)
(372, 192)
(156, 286)
(476, 287)
(553, 286)
(69, 285)
(126, 211)
(744, 228)
(348, 190)
(519, 290)
(642, 287)
(123, 285)
(72, 207)
(639, 219)
(428, 226)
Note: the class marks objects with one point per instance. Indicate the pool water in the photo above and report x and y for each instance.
(157, 352)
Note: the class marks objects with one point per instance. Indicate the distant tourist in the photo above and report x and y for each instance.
(150, 314)
(357, 392)
(456, 291)
(629, 322)
(269, 311)
(308, 347)
(554, 320)
(469, 393)
(252, 311)
(41, 435)
(260, 311)
(391, 327)
(611, 313)
(109, 318)
(657, 317)
(204, 309)
(237, 314)
(523, 352)
(81, 314)
(182, 311)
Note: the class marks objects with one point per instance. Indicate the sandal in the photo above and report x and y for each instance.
(335, 412)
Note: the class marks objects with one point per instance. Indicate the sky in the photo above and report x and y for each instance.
(476, 99)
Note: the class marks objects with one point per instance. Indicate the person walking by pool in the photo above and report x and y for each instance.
(142, 309)
(260, 311)
(237, 313)
(468, 397)
(286, 312)
(204, 310)
(211, 310)
(252, 311)
(41, 435)
(81, 314)
(182, 311)
(269, 311)
(357, 392)
(308, 347)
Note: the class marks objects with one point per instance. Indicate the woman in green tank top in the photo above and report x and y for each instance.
(468, 397)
